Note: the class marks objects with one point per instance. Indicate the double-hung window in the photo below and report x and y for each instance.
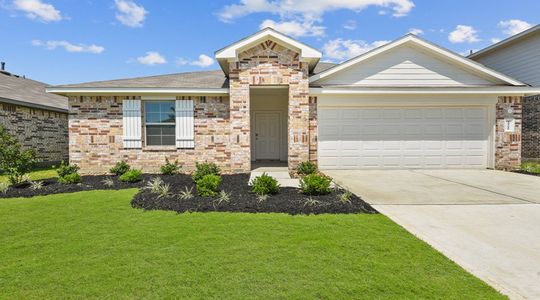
(160, 123)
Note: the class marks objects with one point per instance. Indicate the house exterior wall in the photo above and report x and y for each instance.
(508, 144)
(531, 128)
(42, 130)
(96, 132)
(269, 64)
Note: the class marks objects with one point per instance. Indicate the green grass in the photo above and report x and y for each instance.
(36, 175)
(94, 245)
(531, 167)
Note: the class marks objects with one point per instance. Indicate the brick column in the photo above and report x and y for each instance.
(313, 129)
(298, 119)
(239, 146)
(508, 144)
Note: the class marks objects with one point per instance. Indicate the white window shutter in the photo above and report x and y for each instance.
(132, 123)
(185, 128)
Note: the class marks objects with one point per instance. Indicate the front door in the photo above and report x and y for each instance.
(267, 135)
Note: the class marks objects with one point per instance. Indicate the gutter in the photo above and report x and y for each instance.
(139, 91)
(518, 91)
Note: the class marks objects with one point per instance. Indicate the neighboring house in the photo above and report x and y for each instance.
(519, 56)
(407, 104)
(38, 119)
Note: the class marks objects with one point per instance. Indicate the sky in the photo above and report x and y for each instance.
(72, 41)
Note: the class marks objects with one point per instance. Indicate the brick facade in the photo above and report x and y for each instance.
(42, 130)
(95, 129)
(531, 128)
(269, 64)
(508, 145)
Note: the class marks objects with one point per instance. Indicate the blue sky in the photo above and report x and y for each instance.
(68, 41)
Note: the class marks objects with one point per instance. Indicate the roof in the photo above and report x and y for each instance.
(27, 92)
(514, 38)
(411, 38)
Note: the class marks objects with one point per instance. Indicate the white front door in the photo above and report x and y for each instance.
(267, 137)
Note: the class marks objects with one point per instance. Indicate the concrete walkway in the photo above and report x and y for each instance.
(486, 221)
(279, 172)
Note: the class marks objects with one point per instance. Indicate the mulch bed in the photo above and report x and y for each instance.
(526, 173)
(289, 200)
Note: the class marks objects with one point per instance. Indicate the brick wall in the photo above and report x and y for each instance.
(531, 128)
(313, 129)
(95, 128)
(508, 145)
(44, 131)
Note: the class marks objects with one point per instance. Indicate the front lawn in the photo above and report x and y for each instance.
(39, 174)
(94, 245)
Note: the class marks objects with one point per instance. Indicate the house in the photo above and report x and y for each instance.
(518, 56)
(407, 104)
(38, 119)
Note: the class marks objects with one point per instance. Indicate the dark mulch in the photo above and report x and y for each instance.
(289, 200)
(88, 183)
(526, 173)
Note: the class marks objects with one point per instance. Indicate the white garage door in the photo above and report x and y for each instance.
(400, 138)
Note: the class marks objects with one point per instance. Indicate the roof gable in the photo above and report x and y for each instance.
(411, 61)
(506, 42)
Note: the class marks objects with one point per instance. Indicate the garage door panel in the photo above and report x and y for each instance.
(403, 138)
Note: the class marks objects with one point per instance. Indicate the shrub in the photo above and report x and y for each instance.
(186, 194)
(4, 187)
(208, 185)
(66, 169)
(224, 197)
(205, 169)
(154, 185)
(14, 161)
(132, 175)
(531, 167)
(315, 184)
(120, 168)
(306, 168)
(72, 178)
(170, 168)
(345, 197)
(108, 182)
(36, 185)
(264, 185)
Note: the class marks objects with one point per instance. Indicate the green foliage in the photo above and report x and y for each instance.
(157, 186)
(264, 185)
(315, 184)
(223, 197)
(170, 168)
(120, 168)
(306, 168)
(72, 178)
(187, 193)
(66, 169)
(345, 197)
(204, 169)
(4, 187)
(108, 182)
(36, 185)
(530, 167)
(131, 175)
(14, 161)
(207, 186)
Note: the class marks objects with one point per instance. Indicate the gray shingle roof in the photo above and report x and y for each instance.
(23, 91)
(203, 79)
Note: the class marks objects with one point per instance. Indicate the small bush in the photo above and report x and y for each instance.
(315, 184)
(306, 168)
(170, 168)
(186, 194)
(14, 161)
(154, 185)
(66, 169)
(311, 202)
(205, 169)
(530, 167)
(208, 185)
(262, 198)
(72, 178)
(224, 197)
(120, 168)
(36, 185)
(108, 182)
(132, 175)
(4, 187)
(345, 197)
(264, 185)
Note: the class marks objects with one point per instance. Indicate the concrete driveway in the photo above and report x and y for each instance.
(486, 221)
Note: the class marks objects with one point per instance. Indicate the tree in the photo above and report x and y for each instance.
(15, 161)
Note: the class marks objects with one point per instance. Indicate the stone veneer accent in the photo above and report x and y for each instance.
(508, 145)
(95, 129)
(313, 129)
(42, 130)
(269, 64)
(531, 128)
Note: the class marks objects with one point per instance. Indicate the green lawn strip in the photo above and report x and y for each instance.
(93, 244)
(36, 175)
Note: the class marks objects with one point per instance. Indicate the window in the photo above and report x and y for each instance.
(160, 123)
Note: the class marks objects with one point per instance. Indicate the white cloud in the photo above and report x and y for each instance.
(512, 27)
(339, 49)
(69, 47)
(416, 31)
(464, 34)
(35, 9)
(203, 61)
(495, 40)
(350, 25)
(295, 28)
(152, 58)
(130, 13)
